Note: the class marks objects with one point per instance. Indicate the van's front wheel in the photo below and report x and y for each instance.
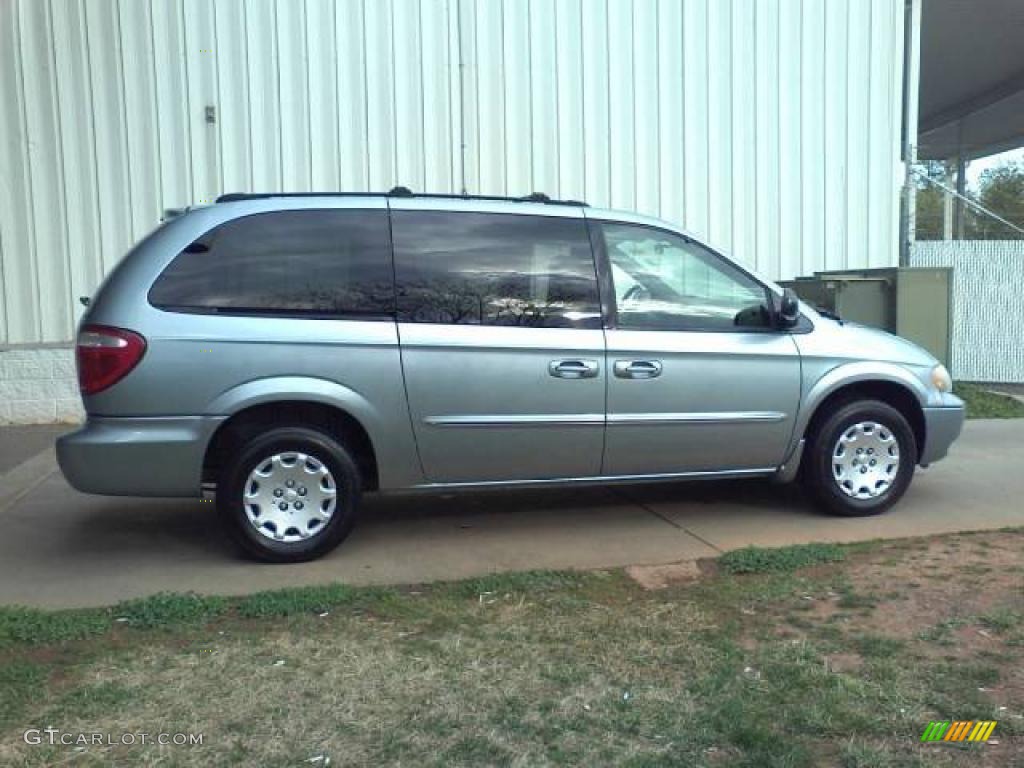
(289, 495)
(861, 459)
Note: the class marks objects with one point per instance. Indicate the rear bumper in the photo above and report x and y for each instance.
(137, 456)
(942, 426)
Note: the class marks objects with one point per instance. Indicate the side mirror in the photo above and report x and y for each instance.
(789, 309)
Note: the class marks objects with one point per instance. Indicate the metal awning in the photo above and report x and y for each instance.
(971, 99)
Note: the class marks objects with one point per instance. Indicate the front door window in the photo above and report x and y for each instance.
(665, 282)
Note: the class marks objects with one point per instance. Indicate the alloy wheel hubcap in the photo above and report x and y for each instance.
(290, 496)
(865, 460)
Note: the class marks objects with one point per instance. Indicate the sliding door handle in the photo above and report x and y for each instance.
(573, 369)
(637, 369)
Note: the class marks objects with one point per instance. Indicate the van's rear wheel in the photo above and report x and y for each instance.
(861, 459)
(289, 494)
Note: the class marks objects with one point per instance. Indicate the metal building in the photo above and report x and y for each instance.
(772, 128)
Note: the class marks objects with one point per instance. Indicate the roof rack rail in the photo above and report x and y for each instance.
(233, 197)
(400, 191)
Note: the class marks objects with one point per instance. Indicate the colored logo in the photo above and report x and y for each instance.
(959, 730)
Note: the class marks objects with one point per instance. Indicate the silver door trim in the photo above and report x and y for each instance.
(720, 417)
(517, 420)
(718, 474)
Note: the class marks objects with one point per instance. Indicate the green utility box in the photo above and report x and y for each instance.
(912, 302)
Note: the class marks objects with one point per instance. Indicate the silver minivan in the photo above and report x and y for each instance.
(288, 353)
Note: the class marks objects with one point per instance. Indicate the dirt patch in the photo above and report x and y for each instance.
(652, 577)
(952, 591)
(939, 591)
(844, 662)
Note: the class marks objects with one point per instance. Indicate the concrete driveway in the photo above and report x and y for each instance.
(60, 548)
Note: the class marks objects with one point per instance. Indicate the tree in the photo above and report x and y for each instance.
(1000, 190)
(930, 199)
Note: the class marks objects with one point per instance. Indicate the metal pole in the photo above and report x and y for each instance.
(908, 217)
(961, 194)
(911, 85)
(947, 207)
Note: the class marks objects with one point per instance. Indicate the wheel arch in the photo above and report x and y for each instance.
(258, 406)
(892, 385)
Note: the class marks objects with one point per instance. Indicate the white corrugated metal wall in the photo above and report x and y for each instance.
(769, 127)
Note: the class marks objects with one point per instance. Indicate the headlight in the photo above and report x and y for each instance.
(941, 379)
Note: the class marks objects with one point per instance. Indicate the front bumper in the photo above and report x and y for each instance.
(137, 456)
(942, 425)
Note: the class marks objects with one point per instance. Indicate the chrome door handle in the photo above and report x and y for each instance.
(573, 369)
(637, 369)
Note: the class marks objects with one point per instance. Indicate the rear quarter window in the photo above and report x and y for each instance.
(333, 263)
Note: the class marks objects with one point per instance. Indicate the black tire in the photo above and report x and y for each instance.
(282, 440)
(818, 460)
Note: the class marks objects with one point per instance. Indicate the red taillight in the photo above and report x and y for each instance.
(105, 356)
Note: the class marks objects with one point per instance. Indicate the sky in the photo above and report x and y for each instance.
(976, 167)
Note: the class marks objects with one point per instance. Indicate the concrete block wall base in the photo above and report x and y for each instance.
(38, 385)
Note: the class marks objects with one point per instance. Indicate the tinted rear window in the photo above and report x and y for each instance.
(494, 269)
(319, 262)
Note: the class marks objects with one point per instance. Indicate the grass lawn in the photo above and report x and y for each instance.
(982, 404)
(814, 655)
